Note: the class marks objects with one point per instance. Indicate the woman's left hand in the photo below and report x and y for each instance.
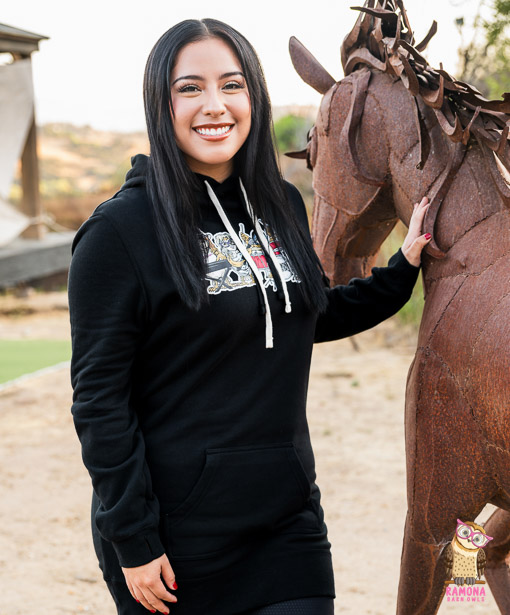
(415, 241)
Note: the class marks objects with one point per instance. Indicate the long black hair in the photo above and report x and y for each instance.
(171, 184)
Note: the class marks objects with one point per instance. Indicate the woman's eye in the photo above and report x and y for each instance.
(234, 83)
(185, 88)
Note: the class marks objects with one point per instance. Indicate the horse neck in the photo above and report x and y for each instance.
(473, 195)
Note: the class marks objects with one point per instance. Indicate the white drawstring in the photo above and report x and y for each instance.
(249, 260)
(269, 250)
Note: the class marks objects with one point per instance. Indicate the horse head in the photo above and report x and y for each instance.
(393, 130)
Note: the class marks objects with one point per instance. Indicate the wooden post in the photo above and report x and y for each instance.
(31, 201)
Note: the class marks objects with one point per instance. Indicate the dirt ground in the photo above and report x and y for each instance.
(355, 410)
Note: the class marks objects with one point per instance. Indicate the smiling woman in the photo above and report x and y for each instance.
(192, 417)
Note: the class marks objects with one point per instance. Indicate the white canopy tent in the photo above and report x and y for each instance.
(16, 116)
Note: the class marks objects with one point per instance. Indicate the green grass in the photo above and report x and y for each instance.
(18, 357)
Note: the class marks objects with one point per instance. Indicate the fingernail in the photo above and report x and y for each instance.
(428, 236)
(137, 600)
(174, 586)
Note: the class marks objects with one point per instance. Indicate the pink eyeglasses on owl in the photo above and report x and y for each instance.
(478, 539)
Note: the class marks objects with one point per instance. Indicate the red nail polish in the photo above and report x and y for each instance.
(174, 586)
(428, 236)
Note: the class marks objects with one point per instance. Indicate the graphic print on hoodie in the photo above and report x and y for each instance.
(227, 268)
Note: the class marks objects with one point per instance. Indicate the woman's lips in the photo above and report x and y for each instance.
(219, 137)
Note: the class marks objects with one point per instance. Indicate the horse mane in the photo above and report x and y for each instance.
(382, 38)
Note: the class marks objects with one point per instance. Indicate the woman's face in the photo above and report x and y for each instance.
(211, 105)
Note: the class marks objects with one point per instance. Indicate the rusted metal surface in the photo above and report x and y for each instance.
(392, 131)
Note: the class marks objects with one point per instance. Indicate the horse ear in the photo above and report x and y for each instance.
(309, 68)
(301, 154)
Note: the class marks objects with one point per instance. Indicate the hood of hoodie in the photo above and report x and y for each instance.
(136, 174)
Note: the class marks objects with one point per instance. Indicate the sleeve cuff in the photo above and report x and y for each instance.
(139, 550)
(399, 261)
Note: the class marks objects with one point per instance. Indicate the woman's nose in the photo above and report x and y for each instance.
(213, 103)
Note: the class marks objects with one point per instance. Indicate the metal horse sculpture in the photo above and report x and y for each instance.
(390, 132)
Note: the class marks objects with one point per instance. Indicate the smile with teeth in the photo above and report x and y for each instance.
(212, 132)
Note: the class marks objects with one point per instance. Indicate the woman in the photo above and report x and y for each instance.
(195, 298)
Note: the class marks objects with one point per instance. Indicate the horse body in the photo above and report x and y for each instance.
(369, 167)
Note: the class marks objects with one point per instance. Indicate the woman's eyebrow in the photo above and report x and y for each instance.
(236, 72)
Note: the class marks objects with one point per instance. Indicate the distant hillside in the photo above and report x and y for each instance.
(78, 160)
(79, 168)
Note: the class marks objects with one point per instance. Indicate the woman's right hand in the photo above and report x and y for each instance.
(145, 584)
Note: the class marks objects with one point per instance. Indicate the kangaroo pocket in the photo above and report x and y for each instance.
(240, 491)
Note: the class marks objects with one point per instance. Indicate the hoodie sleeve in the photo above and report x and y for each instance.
(107, 309)
(363, 302)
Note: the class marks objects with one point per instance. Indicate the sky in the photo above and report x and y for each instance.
(90, 71)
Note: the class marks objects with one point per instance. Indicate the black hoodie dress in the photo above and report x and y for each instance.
(193, 424)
